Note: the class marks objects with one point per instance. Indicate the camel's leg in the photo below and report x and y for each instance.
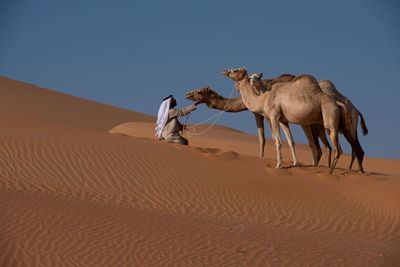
(324, 140)
(353, 156)
(289, 137)
(315, 148)
(315, 130)
(261, 136)
(338, 150)
(276, 134)
(352, 131)
(360, 155)
(331, 115)
(357, 150)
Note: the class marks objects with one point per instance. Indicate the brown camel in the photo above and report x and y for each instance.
(350, 124)
(300, 101)
(215, 101)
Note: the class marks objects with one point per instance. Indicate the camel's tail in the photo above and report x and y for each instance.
(362, 123)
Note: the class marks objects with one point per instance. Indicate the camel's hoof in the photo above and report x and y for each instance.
(296, 164)
(278, 166)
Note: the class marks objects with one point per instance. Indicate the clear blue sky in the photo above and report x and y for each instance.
(131, 54)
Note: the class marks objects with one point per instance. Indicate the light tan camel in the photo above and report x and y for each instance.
(312, 133)
(215, 101)
(300, 101)
(350, 124)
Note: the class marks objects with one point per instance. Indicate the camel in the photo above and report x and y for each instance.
(300, 101)
(215, 101)
(350, 124)
(329, 88)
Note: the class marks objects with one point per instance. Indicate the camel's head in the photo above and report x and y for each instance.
(200, 94)
(235, 74)
(255, 80)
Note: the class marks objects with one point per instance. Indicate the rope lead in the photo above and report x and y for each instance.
(217, 116)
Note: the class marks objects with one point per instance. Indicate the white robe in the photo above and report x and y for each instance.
(162, 116)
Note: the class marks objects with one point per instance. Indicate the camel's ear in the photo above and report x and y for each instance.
(208, 89)
(244, 68)
(260, 75)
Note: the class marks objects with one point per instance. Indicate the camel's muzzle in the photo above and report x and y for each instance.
(190, 96)
(226, 72)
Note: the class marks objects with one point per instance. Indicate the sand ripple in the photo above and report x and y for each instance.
(83, 198)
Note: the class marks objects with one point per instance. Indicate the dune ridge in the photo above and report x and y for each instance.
(20, 100)
(76, 195)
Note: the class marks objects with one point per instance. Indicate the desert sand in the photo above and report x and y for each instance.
(86, 184)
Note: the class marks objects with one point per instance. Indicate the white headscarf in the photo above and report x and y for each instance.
(162, 116)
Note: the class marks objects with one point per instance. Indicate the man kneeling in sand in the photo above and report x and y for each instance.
(168, 126)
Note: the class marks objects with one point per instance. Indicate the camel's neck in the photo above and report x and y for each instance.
(227, 104)
(250, 98)
(260, 89)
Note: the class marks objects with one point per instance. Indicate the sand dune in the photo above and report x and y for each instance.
(228, 139)
(25, 101)
(72, 194)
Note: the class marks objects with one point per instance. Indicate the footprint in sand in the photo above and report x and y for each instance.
(275, 171)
